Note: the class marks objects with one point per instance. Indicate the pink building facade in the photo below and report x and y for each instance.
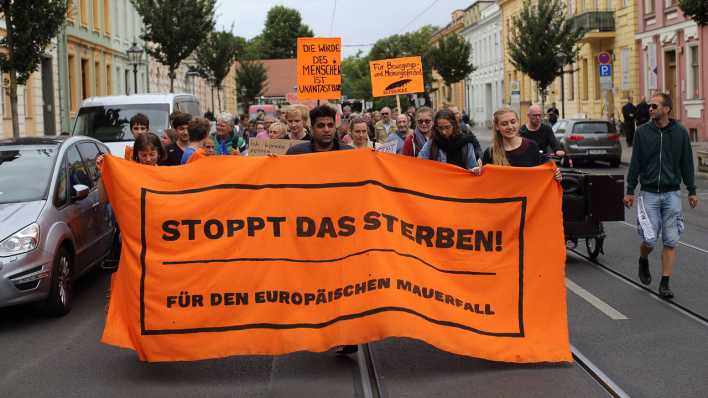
(673, 56)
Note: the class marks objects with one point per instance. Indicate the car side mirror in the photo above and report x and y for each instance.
(79, 192)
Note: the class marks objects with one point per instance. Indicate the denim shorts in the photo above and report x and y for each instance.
(662, 214)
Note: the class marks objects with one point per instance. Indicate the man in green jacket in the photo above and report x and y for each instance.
(661, 158)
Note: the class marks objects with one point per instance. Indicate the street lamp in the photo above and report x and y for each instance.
(135, 58)
(192, 75)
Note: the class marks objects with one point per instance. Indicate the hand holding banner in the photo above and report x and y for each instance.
(471, 265)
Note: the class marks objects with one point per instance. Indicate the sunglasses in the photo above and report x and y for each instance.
(323, 125)
(425, 121)
(653, 106)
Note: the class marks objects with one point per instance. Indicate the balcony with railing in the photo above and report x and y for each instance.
(595, 24)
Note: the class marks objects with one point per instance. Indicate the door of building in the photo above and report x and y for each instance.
(48, 97)
(670, 78)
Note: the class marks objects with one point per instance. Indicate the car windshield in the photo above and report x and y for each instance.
(25, 172)
(112, 123)
(591, 128)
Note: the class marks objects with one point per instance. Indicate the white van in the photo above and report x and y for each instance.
(107, 119)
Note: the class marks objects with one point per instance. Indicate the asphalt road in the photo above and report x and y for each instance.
(646, 346)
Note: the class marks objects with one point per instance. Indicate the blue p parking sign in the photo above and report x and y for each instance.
(605, 70)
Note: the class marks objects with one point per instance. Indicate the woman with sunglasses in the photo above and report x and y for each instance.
(423, 130)
(448, 144)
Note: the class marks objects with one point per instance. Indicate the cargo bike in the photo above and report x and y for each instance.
(588, 201)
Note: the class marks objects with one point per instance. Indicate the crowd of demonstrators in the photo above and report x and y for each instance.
(359, 132)
(198, 130)
(661, 159)
(465, 129)
(447, 143)
(629, 120)
(226, 141)
(179, 122)
(278, 131)
(385, 126)
(298, 121)
(402, 132)
(324, 133)
(540, 133)
(422, 133)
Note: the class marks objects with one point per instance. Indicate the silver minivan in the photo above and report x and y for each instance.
(53, 227)
(107, 119)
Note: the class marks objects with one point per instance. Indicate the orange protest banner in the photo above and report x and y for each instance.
(280, 254)
(396, 76)
(319, 74)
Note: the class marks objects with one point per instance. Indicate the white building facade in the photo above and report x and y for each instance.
(484, 88)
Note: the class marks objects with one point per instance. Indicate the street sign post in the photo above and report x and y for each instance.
(605, 72)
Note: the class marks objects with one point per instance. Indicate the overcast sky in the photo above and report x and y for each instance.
(356, 22)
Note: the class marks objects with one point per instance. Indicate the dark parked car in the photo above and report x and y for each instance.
(53, 228)
(586, 139)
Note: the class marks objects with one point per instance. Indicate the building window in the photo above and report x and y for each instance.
(693, 75)
(83, 12)
(97, 77)
(85, 79)
(73, 97)
(107, 17)
(670, 3)
(571, 83)
(6, 109)
(28, 98)
(586, 80)
(96, 16)
(70, 10)
(109, 80)
(649, 6)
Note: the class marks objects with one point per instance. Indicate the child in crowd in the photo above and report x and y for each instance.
(139, 125)
(198, 130)
(261, 132)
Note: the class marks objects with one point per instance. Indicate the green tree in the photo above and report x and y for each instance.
(174, 29)
(696, 9)
(30, 26)
(251, 77)
(279, 37)
(451, 58)
(216, 55)
(356, 77)
(542, 42)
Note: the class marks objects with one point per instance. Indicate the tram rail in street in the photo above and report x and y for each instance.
(702, 319)
(597, 374)
(370, 380)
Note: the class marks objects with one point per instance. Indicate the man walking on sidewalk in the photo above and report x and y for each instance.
(660, 160)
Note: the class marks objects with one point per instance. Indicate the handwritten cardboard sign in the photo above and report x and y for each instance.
(270, 146)
(319, 73)
(396, 76)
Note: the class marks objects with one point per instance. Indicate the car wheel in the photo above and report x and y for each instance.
(614, 163)
(60, 297)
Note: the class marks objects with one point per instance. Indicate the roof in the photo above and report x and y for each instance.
(133, 99)
(48, 140)
(282, 77)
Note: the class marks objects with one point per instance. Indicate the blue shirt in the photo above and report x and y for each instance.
(188, 152)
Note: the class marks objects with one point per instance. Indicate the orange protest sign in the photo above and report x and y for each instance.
(281, 254)
(319, 73)
(396, 76)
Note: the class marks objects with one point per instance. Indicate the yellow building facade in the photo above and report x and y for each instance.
(443, 95)
(610, 27)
